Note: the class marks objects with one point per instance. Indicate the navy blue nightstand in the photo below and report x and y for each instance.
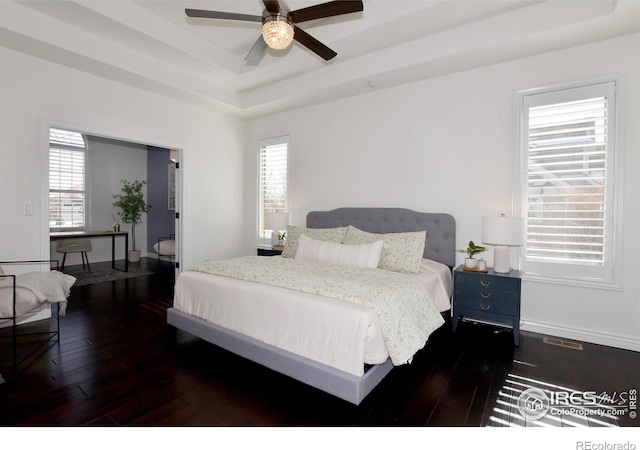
(487, 297)
(269, 251)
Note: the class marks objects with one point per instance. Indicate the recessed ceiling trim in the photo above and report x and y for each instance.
(151, 45)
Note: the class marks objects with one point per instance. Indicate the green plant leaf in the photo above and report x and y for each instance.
(472, 249)
(132, 205)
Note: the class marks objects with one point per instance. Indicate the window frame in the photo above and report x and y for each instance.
(609, 275)
(86, 191)
(265, 241)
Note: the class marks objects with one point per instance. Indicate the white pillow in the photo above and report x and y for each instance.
(367, 255)
(165, 248)
(322, 234)
(402, 251)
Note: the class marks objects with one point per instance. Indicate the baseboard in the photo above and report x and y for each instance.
(577, 334)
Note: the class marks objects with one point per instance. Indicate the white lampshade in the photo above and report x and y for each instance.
(504, 233)
(276, 220)
(503, 230)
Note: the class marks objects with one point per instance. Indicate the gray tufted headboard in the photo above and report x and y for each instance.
(441, 227)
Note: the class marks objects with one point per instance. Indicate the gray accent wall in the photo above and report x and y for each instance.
(160, 219)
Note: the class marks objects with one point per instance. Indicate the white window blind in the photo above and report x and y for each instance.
(568, 181)
(273, 176)
(67, 180)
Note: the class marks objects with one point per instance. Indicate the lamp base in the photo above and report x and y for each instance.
(275, 238)
(502, 259)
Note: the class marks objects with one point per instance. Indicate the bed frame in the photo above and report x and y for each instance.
(440, 246)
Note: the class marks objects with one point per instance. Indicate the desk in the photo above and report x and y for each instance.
(99, 234)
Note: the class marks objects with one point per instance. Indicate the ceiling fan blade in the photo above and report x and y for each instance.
(256, 52)
(221, 15)
(313, 44)
(328, 9)
(272, 6)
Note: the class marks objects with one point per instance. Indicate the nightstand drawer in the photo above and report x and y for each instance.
(487, 294)
(487, 281)
(488, 306)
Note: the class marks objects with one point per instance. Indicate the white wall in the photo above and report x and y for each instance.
(34, 91)
(447, 144)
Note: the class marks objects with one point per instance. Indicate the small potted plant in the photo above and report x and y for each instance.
(132, 207)
(470, 262)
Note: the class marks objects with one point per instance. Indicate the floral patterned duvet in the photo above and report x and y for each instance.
(405, 310)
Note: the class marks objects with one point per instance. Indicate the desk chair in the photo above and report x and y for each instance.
(80, 245)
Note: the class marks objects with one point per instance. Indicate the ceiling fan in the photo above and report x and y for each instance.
(279, 26)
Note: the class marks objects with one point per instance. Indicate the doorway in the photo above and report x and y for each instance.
(109, 161)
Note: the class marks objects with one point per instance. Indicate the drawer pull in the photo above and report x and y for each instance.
(483, 295)
(485, 283)
(485, 307)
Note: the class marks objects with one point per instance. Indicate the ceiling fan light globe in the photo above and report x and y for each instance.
(277, 31)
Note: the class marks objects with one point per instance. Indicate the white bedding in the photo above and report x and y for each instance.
(437, 277)
(341, 334)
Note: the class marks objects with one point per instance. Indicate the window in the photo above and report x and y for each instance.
(272, 179)
(67, 180)
(567, 184)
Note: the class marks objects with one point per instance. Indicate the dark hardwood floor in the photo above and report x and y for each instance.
(118, 363)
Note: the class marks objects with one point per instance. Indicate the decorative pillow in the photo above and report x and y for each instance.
(322, 234)
(26, 301)
(366, 255)
(402, 251)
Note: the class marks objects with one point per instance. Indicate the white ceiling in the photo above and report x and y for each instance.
(151, 44)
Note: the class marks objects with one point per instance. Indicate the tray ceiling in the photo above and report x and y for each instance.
(154, 46)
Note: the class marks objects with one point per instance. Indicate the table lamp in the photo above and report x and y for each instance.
(504, 233)
(276, 221)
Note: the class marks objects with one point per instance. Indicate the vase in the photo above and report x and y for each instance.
(470, 263)
(134, 255)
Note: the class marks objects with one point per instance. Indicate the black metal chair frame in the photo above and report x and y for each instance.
(15, 317)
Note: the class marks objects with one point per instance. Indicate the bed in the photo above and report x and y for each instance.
(300, 325)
